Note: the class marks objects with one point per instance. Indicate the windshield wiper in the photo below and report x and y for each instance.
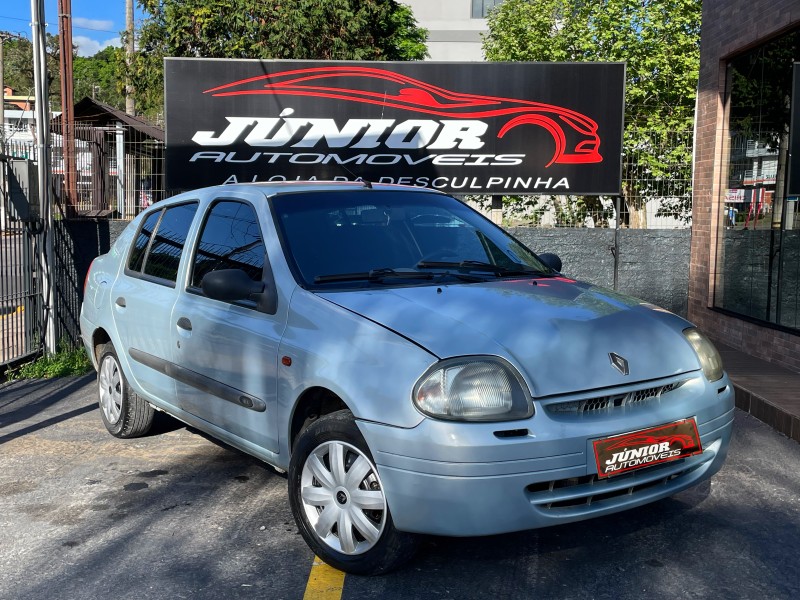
(374, 275)
(476, 265)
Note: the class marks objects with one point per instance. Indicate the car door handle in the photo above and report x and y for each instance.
(185, 323)
(121, 302)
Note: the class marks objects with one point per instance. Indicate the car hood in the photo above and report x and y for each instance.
(559, 332)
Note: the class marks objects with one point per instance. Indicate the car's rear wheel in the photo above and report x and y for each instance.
(124, 414)
(338, 500)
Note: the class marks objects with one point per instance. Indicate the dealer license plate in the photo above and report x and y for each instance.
(636, 450)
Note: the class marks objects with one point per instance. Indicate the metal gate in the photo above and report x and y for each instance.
(21, 255)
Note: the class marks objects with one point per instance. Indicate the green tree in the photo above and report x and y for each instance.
(100, 77)
(269, 29)
(660, 42)
(18, 68)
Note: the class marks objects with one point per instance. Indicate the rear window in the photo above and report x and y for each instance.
(158, 247)
(139, 250)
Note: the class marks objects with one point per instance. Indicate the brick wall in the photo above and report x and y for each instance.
(729, 27)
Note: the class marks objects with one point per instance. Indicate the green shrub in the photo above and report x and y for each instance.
(67, 362)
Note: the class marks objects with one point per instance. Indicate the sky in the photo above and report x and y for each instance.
(95, 23)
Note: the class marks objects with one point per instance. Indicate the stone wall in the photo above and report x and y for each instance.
(653, 263)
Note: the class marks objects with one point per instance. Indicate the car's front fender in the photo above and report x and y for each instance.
(372, 369)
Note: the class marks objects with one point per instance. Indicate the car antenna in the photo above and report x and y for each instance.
(367, 183)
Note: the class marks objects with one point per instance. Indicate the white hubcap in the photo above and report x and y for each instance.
(343, 498)
(109, 381)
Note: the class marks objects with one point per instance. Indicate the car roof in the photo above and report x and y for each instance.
(274, 188)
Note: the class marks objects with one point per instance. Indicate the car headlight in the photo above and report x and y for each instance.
(710, 360)
(473, 389)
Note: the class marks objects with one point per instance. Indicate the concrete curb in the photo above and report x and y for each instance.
(777, 417)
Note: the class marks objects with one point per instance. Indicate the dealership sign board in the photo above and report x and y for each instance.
(794, 135)
(467, 128)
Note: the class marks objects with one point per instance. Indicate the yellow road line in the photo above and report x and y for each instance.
(17, 311)
(324, 582)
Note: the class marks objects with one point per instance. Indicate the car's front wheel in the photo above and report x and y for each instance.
(338, 500)
(124, 414)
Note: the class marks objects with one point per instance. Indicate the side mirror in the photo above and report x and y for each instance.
(551, 260)
(230, 285)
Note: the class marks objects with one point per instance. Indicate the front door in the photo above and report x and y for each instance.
(227, 352)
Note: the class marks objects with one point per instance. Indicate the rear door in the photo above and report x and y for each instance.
(227, 352)
(144, 295)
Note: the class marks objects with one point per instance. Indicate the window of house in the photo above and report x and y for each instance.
(758, 258)
(481, 8)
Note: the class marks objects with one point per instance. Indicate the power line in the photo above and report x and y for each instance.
(15, 19)
(94, 29)
(73, 26)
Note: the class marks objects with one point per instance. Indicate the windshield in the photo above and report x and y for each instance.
(363, 238)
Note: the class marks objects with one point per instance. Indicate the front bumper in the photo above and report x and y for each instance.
(468, 479)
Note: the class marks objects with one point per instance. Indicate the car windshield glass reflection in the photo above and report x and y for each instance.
(356, 239)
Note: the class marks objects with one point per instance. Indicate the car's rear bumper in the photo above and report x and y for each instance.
(465, 479)
(87, 327)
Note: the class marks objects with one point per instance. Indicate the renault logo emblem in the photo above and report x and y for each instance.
(619, 363)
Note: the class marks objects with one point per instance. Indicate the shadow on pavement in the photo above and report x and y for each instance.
(22, 400)
(46, 423)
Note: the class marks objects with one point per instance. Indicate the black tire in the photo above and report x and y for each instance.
(335, 439)
(124, 414)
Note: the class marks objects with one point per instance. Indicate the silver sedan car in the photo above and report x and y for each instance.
(413, 367)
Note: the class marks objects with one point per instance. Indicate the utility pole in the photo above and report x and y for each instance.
(67, 105)
(130, 107)
(3, 38)
(43, 158)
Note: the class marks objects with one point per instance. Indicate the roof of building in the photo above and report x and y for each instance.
(96, 113)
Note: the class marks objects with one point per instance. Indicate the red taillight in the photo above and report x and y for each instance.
(86, 279)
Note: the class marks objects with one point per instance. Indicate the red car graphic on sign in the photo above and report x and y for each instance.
(575, 134)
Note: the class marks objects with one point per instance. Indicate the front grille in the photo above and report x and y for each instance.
(602, 403)
(580, 493)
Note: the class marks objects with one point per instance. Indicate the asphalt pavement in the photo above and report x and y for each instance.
(177, 515)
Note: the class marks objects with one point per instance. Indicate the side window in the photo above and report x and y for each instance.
(230, 239)
(158, 247)
(136, 259)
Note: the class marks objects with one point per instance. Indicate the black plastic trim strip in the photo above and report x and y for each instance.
(198, 381)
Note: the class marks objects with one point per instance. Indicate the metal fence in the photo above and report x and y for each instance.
(22, 306)
(119, 172)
